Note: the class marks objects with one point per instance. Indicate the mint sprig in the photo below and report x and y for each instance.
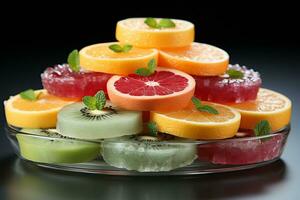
(149, 70)
(163, 23)
(120, 49)
(73, 61)
(235, 74)
(262, 128)
(96, 102)
(204, 108)
(29, 95)
(152, 128)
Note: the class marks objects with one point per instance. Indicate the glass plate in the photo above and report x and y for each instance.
(182, 157)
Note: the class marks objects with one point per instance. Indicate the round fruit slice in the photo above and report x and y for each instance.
(147, 154)
(196, 59)
(100, 58)
(136, 32)
(61, 81)
(224, 89)
(241, 152)
(166, 89)
(41, 113)
(269, 105)
(48, 146)
(192, 123)
(78, 121)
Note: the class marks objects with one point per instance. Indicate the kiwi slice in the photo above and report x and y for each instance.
(55, 148)
(147, 153)
(78, 121)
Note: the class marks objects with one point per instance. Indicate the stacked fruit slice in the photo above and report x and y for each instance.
(157, 77)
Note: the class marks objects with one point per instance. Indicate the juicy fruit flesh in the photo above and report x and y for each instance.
(102, 52)
(224, 89)
(265, 102)
(44, 102)
(61, 81)
(77, 121)
(138, 24)
(53, 149)
(147, 156)
(160, 83)
(198, 52)
(242, 152)
(193, 115)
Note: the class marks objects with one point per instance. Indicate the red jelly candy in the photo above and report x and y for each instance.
(224, 89)
(61, 81)
(241, 151)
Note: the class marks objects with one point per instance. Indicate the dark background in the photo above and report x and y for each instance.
(265, 38)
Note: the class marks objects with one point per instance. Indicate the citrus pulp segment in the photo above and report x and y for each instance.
(194, 124)
(61, 81)
(166, 89)
(224, 89)
(100, 58)
(196, 59)
(134, 31)
(48, 146)
(77, 121)
(41, 113)
(269, 105)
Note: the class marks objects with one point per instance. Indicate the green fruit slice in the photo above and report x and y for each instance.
(54, 148)
(147, 154)
(77, 121)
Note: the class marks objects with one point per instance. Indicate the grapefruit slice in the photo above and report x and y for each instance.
(196, 59)
(166, 89)
(192, 123)
(41, 113)
(269, 105)
(134, 31)
(100, 58)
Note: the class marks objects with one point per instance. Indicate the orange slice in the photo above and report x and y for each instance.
(269, 105)
(100, 58)
(166, 89)
(191, 123)
(137, 33)
(34, 114)
(196, 59)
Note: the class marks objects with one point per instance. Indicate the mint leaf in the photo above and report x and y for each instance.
(116, 48)
(90, 102)
(142, 72)
(147, 71)
(152, 128)
(235, 74)
(73, 61)
(119, 49)
(262, 128)
(127, 48)
(151, 22)
(96, 102)
(204, 108)
(196, 102)
(166, 23)
(100, 100)
(209, 109)
(29, 95)
(152, 66)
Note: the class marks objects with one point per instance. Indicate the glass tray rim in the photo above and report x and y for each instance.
(13, 131)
